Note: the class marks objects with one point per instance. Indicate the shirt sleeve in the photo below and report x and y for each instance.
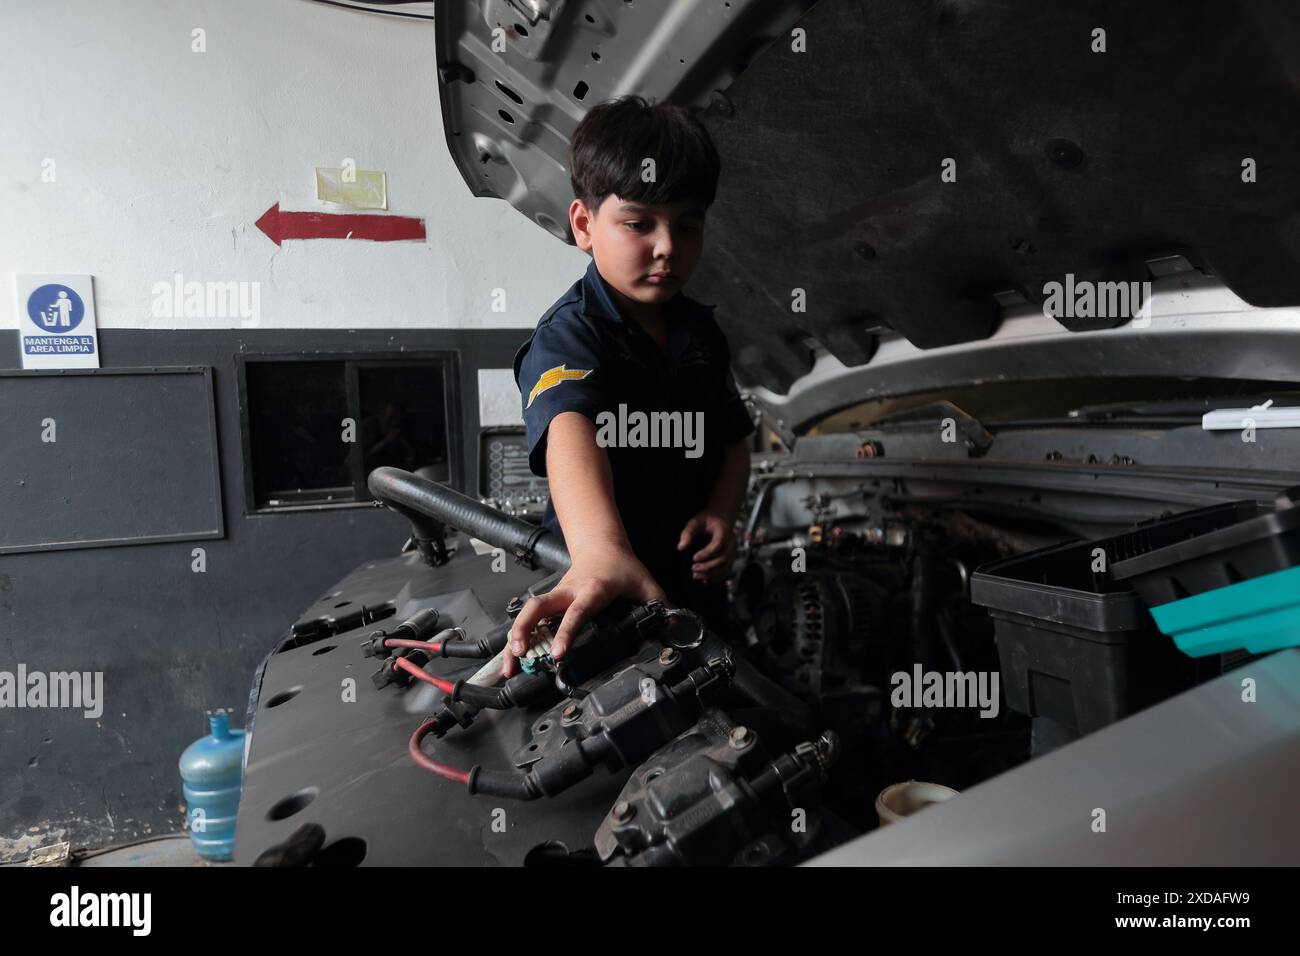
(557, 370)
(736, 422)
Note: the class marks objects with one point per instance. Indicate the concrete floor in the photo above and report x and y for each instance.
(165, 851)
(177, 852)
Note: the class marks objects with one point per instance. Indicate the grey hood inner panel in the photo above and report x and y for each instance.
(1068, 161)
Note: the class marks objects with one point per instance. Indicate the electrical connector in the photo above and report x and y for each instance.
(373, 645)
(538, 656)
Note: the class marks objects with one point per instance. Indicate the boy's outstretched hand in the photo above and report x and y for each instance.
(710, 563)
(586, 589)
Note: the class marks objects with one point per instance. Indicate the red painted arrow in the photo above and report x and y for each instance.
(319, 225)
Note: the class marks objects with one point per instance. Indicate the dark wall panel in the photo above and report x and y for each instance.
(170, 641)
(105, 457)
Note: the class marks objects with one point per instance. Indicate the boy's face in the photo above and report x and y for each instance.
(645, 252)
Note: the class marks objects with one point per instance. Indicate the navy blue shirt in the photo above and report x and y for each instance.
(584, 356)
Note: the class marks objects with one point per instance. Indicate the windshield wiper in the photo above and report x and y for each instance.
(1173, 408)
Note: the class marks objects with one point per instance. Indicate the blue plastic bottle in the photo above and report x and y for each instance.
(212, 775)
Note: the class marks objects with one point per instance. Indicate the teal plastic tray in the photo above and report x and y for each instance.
(1258, 615)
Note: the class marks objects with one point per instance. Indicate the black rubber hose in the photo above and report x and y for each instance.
(481, 649)
(482, 698)
(405, 493)
(420, 626)
(466, 650)
(425, 532)
(521, 690)
(925, 591)
(510, 784)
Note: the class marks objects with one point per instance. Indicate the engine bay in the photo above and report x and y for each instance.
(854, 661)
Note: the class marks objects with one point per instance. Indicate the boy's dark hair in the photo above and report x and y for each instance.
(614, 138)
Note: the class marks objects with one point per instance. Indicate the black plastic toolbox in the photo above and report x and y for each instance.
(1076, 646)
(1210, 549)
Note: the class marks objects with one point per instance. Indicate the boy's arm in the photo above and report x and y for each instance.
(718, 519)
(583, 488)
(603, 566)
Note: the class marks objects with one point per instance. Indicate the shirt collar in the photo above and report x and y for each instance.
(597, 300)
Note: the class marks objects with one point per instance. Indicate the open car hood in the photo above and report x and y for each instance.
(1068, 161)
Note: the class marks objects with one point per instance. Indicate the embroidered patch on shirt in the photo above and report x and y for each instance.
(553, 377)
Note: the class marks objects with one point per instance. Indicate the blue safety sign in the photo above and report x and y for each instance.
(56, 308)
(57, 322)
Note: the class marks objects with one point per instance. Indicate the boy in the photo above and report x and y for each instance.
(640, 522)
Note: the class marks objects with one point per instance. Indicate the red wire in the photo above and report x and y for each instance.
(432, 646)
(445, 686)
(427, 762)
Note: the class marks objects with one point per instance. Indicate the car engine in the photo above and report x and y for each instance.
(381, 731)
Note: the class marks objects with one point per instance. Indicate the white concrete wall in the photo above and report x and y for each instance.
(164, 158)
